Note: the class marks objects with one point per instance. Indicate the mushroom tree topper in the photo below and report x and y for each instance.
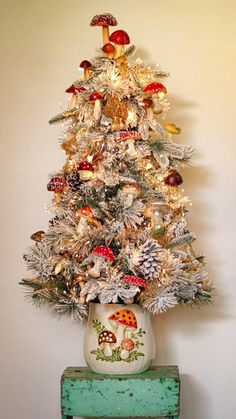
(101, 255)
(119, 38)
(123, 321)
(105, 20)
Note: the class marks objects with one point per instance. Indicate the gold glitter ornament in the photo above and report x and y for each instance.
(172, 128)
(115, 108)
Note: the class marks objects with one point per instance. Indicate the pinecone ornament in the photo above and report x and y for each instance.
(73, 181)
(149, 261)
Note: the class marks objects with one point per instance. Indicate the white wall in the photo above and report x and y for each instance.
(42, 43)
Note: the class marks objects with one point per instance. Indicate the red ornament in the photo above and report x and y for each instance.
(109, 50)
(120, 37)
(173, 178)
(155, 87)
(75, 89)
(85, 165)
(105, 252)
(86, 211)
(125, 135)
(85, 64)
(134, 280)
(95, 96)
(56, 184)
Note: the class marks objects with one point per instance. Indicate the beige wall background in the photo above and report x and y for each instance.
(42, 43)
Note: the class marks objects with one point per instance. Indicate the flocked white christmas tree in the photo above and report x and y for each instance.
(118, 231)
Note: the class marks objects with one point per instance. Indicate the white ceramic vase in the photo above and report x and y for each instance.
(118, 339)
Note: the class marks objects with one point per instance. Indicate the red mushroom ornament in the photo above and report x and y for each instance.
(96, 98)
(108, 49)
(86, 66)
(119, 38)
(85, 170)
(74, 90)
(56, 185)
(101, 256)
(155, 88)
(134, 280)
(172, 181)
(173, 178)
(105, 20)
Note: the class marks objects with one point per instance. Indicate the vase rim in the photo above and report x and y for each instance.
(115, 304)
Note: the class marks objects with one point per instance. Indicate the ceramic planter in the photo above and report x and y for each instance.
(118, 339)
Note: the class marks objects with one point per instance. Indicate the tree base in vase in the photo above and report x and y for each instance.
(118, 339)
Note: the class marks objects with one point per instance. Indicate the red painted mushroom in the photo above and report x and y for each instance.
(101, 256)
(119, 38)
(127, 345)
(123, 320)
(56, 185)
(86, 66)
(134, 280)
(108, 49)
(85, 170)
(105, 20)
(96, 98)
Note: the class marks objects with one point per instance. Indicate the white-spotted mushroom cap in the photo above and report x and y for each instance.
(105, 19)
(104, 252)
(106, 337)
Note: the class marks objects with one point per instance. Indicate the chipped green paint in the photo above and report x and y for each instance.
(155, 392)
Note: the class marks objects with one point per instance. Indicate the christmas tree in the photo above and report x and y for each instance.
(118, 233)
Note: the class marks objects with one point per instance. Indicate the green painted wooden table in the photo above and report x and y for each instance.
(155, 392)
